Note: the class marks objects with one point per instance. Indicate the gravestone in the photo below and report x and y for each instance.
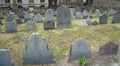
(110, 48)
(94, 23)
(79, 49)
(32, 15)
(97, 12)
(106, 12)
(37, 50)
(21, 13)
(88, 21)
(10, 18)
(78, 9)
(30, 25)
(38, 18)
(28, 17)
(111, 12)
(85, 14)
(5, 59)
(49, 15)
(77, 15)
(116, 17)
(82, 24)
(49, 25)
(103, 19)
(11, 26)
(63, 17)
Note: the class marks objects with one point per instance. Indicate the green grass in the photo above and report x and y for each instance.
(60, 39)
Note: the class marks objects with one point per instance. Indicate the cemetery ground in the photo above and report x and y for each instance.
(61, 39)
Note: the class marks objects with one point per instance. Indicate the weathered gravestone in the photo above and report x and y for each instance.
(103, 19)
(88, 21)
(80, 49)
(116, 17)
(38, 18)
(21, 13)
(37, 50)
(10, 17)
(11, 26)
(63, 17)
(97, 12)
(109, 48)
(28, 17)
(30, 25)
(49, 22)
(78, 9)
(5, 59)
(77, 15)
(85, 14)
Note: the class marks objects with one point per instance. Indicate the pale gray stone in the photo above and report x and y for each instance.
(77, 15)
(63, 17)
(79, 49)
(37, 50)
(5, 59)
(38, 18)
(10, 17)
(88, 21)
(49, 15)
(97, 12)
(82, 24)
(28, 17)
(78, 9)
(30, 25)
(85, 14)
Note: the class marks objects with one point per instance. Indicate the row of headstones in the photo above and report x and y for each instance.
(38, 51)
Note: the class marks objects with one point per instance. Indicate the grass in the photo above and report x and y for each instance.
(61, 39)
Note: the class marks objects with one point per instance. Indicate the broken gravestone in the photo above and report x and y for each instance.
(80, 49)
(37, 50)
(110, 48)
(5, 59)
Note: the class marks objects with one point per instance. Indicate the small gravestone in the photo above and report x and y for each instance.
(80, 49)
(10, 18)
(30, 25)
(11, 26)
(5, 59)
(94, 23)
(103, 19)
(78, 9)
(77, 15)
(18, 21)
(109, 48)
(49, 15)
(38, 18)
(37, 50)
(88, 21)
(97, 12)
(85, 14)
(21, 13)
(63, 17)
(116, 17)
(28, 17)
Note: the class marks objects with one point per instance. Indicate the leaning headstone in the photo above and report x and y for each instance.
(63, 17)
(97, 12)
(77, 15)
(5, 59)
(21, 13)
(88, 21)
(78, 9)
(109, 48)
(30, 25)
(80, 49)
(28, 17)
(38, 18)
(116, 17)
(103, 19)
(11, 26)
(37, 50)
(49, 15)
(85, 14)
(10, 18)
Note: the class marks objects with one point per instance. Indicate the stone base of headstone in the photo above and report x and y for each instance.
(49, 25)
(11, 26)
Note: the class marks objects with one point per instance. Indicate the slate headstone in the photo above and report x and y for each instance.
(116, 17)
(97, 12)
(110, 48)
(38, 18)
(103, 19)
(30, 25)
(10, 18)
(63, 17)
(37, 50)
(77, 15)
(21, 13)
(85, 14)
(88, 21)
(11, 26)
(49, 15)
(79, 49)
(5, 59)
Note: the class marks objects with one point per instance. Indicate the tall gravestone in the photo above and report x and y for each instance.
(38, 18)
(63, 17)
(37, 50)
(77, 15)
(103, 19)
(79, 49)
(30, 25)
(110, 48)
(116, 17)
(5, 59)
(11, 26)
(85, 14)
(97, 12)
(49, 22)
(10, 18)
